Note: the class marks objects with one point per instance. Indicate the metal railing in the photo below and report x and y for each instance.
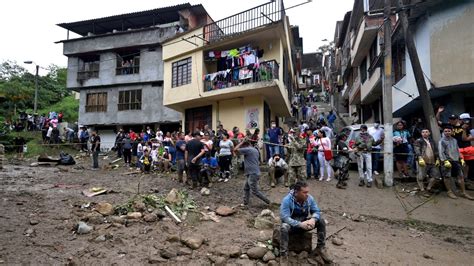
(127, 70)
(266, 71)
(84, 75)
(245, 21)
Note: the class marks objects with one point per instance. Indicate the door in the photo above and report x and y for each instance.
(198, 118)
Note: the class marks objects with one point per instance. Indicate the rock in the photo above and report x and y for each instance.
(168, 253)
(268, 256)
(83, 228)
(193, 242)
(358, 218)
(257, 252)
(134, 215)
(29, 232)
(303, 255)
(156, 260)
(150, 217)
(34, 222)
(100, 238)
(273, 263)
(173, 197)
(139, 206)
(244, 257)
(205, 191)
(117, 219)
(173, 238)
(183, 251)
(337, 241)
(263, 223)
(267, 213)
(94, 218)
(229, 251)
(264, 236)
(217, 260)
(224, 211)
(426, 256)
(159, 213)
(104, 208)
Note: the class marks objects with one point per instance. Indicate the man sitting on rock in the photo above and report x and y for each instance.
(299, 213)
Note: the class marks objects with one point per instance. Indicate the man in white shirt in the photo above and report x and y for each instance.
(377, 133)
(278, 168)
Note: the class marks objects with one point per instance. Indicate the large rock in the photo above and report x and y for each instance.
(83, 228)
(265, 220)
(134, 215)
(193, 242)
(268, 256)
(150, 217)
(224, 211)
(257, 252)
(229, 251)
(297, 242)
(264, 236)
(173, 197)
(104, 208)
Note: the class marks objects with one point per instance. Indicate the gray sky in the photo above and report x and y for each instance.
(29, 27)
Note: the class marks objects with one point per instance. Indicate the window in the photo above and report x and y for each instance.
(89, 66)
(181, 72)
(399, 64)
(96, 102)
(130, 100)
(128, 62)
(363, 71)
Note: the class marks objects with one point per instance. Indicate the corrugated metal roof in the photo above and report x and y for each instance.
(133, 20)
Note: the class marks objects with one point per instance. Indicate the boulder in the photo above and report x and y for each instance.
(268, 256)
(134, 215)
(205, 191)
(229, 251)
(265, 220)
(150, 217)
(264, 236)
(224, 211)
(104, 208)
(337, 241)
(173, 197)
(257, 252)
(193, 242)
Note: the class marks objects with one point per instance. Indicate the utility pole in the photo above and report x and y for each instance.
(387, 96)
(428, 110)
(35, 107)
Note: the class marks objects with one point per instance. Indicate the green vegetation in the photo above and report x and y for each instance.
(35, 145)
(68, 106)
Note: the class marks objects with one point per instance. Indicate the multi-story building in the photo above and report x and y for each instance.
(237, 71)
(311, 72)
(116, 65)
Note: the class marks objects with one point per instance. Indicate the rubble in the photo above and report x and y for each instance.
(193, 242)
(83, 228)
(265, 220)
(224, 211)
(268, 256)
(104, 208)
(257, 252)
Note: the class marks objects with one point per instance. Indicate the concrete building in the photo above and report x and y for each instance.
(310, 77)
(209, 78)
(116, 65)
(444, 38)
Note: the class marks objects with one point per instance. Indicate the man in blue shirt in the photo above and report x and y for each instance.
(209, 167)
(274, 134)
(299, 213)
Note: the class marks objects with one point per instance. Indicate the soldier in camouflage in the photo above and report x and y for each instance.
(297, 161)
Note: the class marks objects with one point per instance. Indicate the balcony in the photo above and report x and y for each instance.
(248, 20)
(267, 71)
(85, 75)
(354, 93)
(365, 36)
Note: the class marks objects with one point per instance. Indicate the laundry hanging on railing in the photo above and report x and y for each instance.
(241, 57)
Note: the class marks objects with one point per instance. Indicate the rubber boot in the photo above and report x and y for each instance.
(463, 190)
(285, 180)
(431, 184)
(447, 183)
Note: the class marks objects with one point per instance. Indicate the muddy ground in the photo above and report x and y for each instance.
(40, 207)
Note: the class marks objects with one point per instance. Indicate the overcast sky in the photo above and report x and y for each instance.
(29, 27)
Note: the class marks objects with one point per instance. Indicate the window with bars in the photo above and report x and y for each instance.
(130, 100)
(96, 102)
(181, 72)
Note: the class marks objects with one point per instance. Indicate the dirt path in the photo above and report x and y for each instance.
(41, 206)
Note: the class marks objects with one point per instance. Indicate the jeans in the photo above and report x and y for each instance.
(274, 149)
(312, 160)
(324, 163)
(286, 230)
(224, 164)
(367, 158)
(375, 159)
(194, 170)
(251, 184)
(127, 156)
(95, 159)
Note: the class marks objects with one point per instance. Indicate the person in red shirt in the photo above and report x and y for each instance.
(311, 154)
(132, 134)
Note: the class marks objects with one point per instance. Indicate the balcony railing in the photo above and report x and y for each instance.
(84, 75)
(266, 71)
(245, 21)
(127, 70)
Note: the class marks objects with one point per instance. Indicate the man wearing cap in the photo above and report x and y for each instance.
(453, 121)
(278, 168)
(452, 162)
(297, 161)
